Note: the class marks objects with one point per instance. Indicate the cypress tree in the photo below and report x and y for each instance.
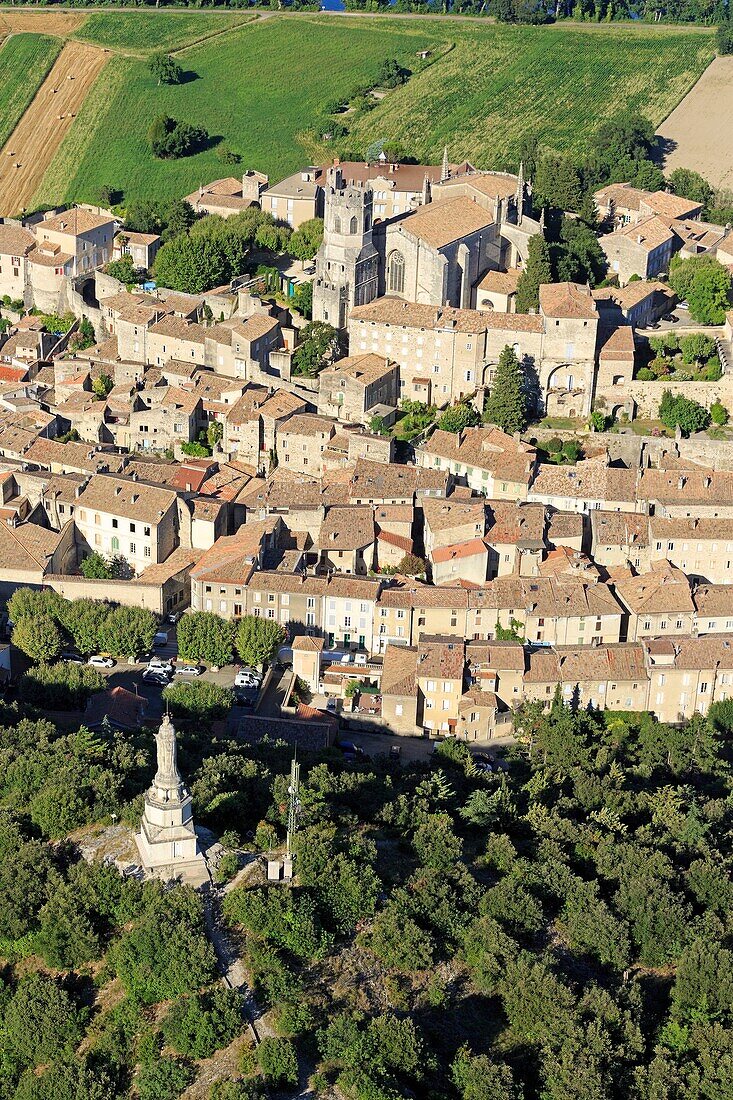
(537, 270)
(506, 405)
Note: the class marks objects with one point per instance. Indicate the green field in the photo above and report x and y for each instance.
(258, 88)
(25, 59)
(145, 32)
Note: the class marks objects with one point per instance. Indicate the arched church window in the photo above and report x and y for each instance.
(337, 224)
(396, 273)
(353, 225)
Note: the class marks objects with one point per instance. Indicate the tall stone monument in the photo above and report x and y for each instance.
(167, 839)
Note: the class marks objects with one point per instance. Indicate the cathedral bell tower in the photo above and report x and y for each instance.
(347, 262)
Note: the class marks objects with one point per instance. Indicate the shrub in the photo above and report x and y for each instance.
(718, 414)
(645, 375)
(201, 1023)
(278, 1062)
(163, 1079)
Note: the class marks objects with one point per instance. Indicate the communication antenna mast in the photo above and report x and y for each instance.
(293, 805)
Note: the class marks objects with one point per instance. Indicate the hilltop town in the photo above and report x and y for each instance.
(222, 453)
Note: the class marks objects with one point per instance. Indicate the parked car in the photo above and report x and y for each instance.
(188, 670)
(160, 641)
(331, 705)
(72, 658)
(349, 746)
(671, 317)
(360, 659)
(156, 676)
(174, 617)
(247, 677)
(159, 664)
(101, 662)
(394, 753)
(347, 658)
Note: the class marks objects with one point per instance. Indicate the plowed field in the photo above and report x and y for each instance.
(60, 23)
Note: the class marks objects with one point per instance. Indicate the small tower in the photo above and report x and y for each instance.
(167, 839)
(426, 191)
(445, 169)
(520, 193)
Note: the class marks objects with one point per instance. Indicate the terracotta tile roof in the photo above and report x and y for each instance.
(672, 206)
(442, 657)
(619, 528)
(338, 585)
(349, 528)
(379, 481)
(686, 486)
(27, 547)
(404, 593)
(648, 234)
(663, 589)
(305, 644)
(130, 499)
(473, 548)
(256, 326)
(441, 223)
(679, 529)
(281, 404)
(364, 369)
(713, 599)
(119, 706)
(513, 523)
(585, 481)
(485, 449)
(568, 300)
(308, 424)
(500, 282)
(622, 661)
(15, 241)
(501, 656)
(564, 525)
(446, 515)
(74, 221)
(233, 558)
(545, 596)
(398, 670)
(633, 293)
(46, 258)
(179, 328)
(707, 652)
(619, 345)
(402, 542)
(395, 311)
(493, 184)
(138, 238)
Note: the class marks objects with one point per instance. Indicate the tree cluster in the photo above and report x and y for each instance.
(43, 621)
(171, 138)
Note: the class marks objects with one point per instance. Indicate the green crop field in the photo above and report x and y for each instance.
(144, 32)
(25, 59)
(258, 88)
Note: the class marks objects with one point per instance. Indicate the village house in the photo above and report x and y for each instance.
(357, 388)
(701, 547)
(620, 205)
(587, 485)
(229, 196)
(687, 674)
(15, 245)
(607, 677)
(486, 460)
(142, 248)
(439, 676)
(118, 517)
(656, 603)
(346, 540)
(713, 608)
(643, 248)
(219, 578)
(301, 440)
(620, 540)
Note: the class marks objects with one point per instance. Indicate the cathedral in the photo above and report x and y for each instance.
(436, 254)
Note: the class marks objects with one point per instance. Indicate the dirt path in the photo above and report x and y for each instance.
(32, 145)
(700, 127)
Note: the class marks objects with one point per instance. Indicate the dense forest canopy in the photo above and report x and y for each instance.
(561, 928)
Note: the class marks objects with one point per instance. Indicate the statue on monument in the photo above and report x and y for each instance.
(167, 773)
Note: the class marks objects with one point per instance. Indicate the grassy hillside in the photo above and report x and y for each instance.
(25, 60)
(259, 87)
(144, 32)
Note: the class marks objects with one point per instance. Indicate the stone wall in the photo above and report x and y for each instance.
(647, 395)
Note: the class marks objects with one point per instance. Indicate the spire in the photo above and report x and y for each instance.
(445, 170)
(426, 191)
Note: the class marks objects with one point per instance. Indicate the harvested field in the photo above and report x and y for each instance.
(25, 62)
(700, 127)
(59, 23)
(44, 125)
